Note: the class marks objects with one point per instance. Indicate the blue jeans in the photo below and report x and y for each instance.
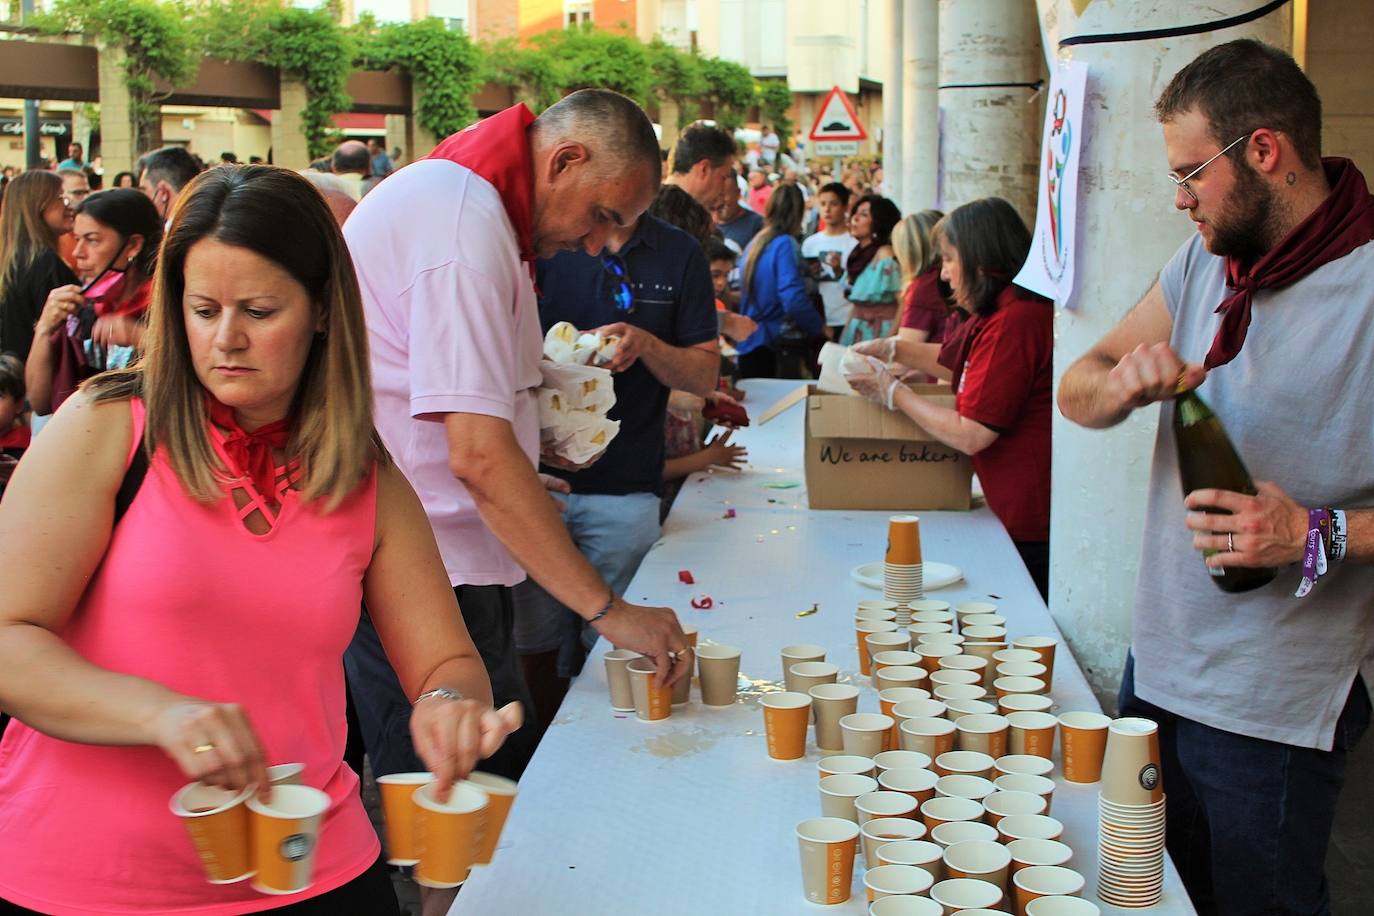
(384, 709)
(1249, 820)
(613, 533)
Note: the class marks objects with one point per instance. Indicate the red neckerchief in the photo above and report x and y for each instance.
(498, 149)
(1342, 223)
(133, 307)
(251, 453)
(16, 437)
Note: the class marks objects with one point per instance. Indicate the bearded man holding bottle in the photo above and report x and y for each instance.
(1267, 313)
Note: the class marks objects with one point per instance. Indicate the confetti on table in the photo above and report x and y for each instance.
(783, 485)
(685, 577)
(809, 611)
(729, 513)
(703, 602)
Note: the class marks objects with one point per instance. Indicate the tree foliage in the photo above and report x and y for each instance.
(731, 88)
(443, 65)
(774, 101)
(156, 42)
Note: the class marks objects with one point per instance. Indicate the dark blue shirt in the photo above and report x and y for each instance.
(673, 300)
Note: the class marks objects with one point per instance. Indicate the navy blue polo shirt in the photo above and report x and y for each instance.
(673, 300)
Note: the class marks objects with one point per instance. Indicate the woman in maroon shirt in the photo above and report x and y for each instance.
(999, 362)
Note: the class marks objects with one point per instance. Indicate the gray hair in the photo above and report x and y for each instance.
(606, 122)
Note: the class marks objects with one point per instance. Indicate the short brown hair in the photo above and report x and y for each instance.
(1242, 86)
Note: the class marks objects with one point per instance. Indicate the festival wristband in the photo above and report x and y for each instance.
(1339, 533)
(1314, 558)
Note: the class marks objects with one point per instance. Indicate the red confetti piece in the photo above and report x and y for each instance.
(729, 513)
(685, 577)
(703, 602)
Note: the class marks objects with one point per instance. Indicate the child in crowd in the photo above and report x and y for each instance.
(14, 433)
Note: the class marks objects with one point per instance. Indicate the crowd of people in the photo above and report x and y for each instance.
(313, 397)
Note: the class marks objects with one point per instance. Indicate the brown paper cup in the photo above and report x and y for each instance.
(838, 793)
(1130, 766)
(946, 835)
(500, 798)
(890, 658)
(1021, 669)
(1015, 655)
(1025, 853)
(1062, 906)
(918, 630)
(286, 774)
(917, 783)
(1024, 702)
(1032, 733)
(718, 671)
(618, 678)
(846, 764)
(785, 717)
(1002, 804)
(882, 831)
(944, 809)
(1083, 742)
(651, 703)
(968, 763)
(829, 704)
(896, 881)
(918, 709)
(285, 835)
(899, 676)
(877, 643)
(802, 676)
(929, 736)
(827, 847)
(1042, 786)
(865, 734)
(903, 540)
(947, 676)
(984, 733)
(949, 692)
(901, 760)
(1042, 646)
(805, 652)
(1030, 827)
(1006, 685)
(980, 859)
(937, 638)
(892, 697)
(217, 821)
(862, 631)
(911, 851)
(956, 894)
(964, 785)
(883, 803)
(1023, 763)
(873, 613)
(954, 709)
(1045, 881)
(449, 834)
(398, 815)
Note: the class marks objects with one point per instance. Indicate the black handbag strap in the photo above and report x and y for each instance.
(128, 487)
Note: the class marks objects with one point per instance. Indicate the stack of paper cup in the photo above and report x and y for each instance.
(1131, 816)
(902, 576)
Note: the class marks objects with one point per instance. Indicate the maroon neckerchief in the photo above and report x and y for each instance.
(859, 259)
(498, 149)
(250, 453)
(1342, 223)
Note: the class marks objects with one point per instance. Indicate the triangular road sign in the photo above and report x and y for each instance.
(837, 119)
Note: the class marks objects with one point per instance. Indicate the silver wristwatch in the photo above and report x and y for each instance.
(443, 693)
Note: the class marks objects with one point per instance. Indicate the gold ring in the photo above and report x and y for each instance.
(202, 748)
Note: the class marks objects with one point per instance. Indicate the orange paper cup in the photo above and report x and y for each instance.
(1083, 742)
(285, 834)
(652, 703)
(449, 834)
(398, 814)
(827, 847)
(903, 540)
(500, 797)
(217, 821)
(785, 717)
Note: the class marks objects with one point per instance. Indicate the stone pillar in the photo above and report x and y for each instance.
(991, 135)
(289, 146)
(422, 141)
(397, 135)
(1127, 230)
(920, 104)
(669, 113)
(116, 113)
(893, 152)
(81, 130)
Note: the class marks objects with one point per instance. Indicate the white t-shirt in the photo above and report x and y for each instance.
(453, 327)
(817, 246)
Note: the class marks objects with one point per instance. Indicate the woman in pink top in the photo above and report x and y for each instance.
(201, 634)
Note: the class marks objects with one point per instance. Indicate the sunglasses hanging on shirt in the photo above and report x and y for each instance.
(621, 292)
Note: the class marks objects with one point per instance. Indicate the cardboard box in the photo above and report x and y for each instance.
(860, 456)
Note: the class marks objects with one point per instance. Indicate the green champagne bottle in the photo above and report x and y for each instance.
(1208, 460)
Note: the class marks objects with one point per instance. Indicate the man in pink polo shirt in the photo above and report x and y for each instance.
(444, 252)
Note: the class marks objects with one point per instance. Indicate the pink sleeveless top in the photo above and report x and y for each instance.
(188, 597)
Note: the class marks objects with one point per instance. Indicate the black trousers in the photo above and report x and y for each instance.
(384, 709)
(369, 894)
(1036, 556)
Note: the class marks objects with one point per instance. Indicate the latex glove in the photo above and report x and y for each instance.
(878, 384)
(884, 348)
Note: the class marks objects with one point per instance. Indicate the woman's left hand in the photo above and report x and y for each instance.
(116, 330)
(877, 384)
(451, 736)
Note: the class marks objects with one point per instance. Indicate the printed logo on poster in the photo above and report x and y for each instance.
(1049, 267)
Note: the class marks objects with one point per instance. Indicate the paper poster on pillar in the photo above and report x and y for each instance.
(1049, 269)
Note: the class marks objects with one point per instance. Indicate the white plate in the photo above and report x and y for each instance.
(937, 575)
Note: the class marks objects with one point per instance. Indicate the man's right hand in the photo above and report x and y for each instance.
(653, 632)
(1150, 373)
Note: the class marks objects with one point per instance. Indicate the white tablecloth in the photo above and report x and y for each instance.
(689, 815)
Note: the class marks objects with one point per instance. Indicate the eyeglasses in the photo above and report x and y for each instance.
(1182, 183)
(620, 282)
